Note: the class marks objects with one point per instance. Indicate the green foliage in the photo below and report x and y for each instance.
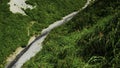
(13, 32)
(90, 40)
(49, 11)
(14, 27)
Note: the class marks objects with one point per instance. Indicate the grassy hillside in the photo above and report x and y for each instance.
(14, 27)
(90, 40)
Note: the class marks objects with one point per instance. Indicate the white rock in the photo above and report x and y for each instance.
(16, 6)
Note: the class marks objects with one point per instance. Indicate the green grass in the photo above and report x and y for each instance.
(90, 40)
(14, 27)
(62, 51)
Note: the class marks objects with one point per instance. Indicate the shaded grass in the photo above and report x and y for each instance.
(14, 27)
(90, 40)
(60, 50)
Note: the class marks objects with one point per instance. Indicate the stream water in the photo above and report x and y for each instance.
(36, 46)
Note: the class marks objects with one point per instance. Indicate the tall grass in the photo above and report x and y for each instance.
(14, 27)
(90, 40)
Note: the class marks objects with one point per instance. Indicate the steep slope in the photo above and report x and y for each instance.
(90, 40)
(16, 29)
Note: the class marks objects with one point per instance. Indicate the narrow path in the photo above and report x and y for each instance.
(33, 48)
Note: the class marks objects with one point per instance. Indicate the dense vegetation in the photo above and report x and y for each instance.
(13, 32)
(90, 40)
(14, 27)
